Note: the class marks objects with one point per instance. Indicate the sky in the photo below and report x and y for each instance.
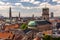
(28, 7)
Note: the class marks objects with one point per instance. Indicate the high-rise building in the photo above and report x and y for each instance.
(52, 14)
(45, 13)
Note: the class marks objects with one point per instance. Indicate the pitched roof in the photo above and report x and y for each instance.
(13, 26)
(47, 32)
(39, 22)
(6, 35)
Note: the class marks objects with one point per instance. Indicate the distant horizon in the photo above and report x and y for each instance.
(28, 16)
(29, 7)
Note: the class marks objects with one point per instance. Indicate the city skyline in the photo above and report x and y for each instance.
(28, 7)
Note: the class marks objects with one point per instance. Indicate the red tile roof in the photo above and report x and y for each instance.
(47, 32)
(6, 35)
(13, 26)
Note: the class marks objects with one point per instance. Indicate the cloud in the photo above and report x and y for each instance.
(36, 2)
(48, 0)
(41, 5)
(27, 10)
(18, 4)
(5, 5)
(25, 0)
(2, 3)
(58, 1)
(45, 4)
(31, 1)
(54, 0)
(4, 0)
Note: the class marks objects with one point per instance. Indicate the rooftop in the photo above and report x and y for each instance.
(6, 35)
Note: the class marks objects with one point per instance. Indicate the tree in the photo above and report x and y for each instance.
(47, 37)
(23, 27)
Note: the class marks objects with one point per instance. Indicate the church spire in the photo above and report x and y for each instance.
(10, 15)
(19, 14)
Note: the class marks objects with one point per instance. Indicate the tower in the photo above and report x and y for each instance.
(32, 15)
(45, 13)
(10, 15)
(52, 15)
(19, 15)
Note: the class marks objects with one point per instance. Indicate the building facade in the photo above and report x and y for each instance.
(45, 13)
